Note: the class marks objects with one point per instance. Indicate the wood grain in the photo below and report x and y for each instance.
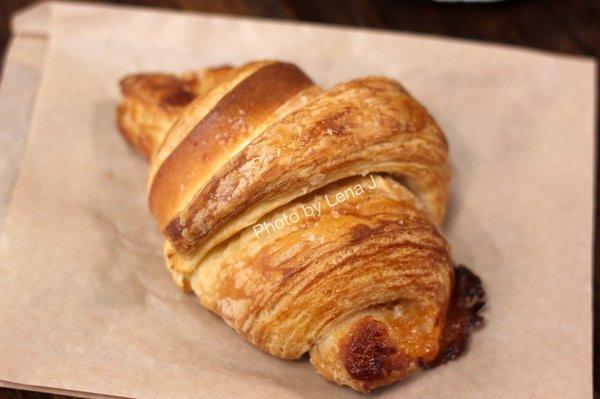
(570, 27)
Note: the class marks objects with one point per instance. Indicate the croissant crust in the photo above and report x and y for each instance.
(308, 219)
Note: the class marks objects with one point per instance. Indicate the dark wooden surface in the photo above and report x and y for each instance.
(566, 26)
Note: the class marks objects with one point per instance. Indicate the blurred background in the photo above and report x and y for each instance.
(567, 26)
(564, 26)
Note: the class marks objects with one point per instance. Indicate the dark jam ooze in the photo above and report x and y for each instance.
(468, 298)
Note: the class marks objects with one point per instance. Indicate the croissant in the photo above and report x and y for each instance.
(153, 102)
(308, 219)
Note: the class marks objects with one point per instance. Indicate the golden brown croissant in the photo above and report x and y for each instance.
(153, 102)
(307, 219)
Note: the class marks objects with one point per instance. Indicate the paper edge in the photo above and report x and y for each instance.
(56, 391)
(28, 104)
(33, 20)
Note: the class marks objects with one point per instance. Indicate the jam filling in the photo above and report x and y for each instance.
(468, 297)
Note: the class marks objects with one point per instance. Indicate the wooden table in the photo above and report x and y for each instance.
(566, 26)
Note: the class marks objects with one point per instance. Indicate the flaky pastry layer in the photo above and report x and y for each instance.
(308, 219)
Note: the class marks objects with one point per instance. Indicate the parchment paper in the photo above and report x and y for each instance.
(21, 77)
(86, 304)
